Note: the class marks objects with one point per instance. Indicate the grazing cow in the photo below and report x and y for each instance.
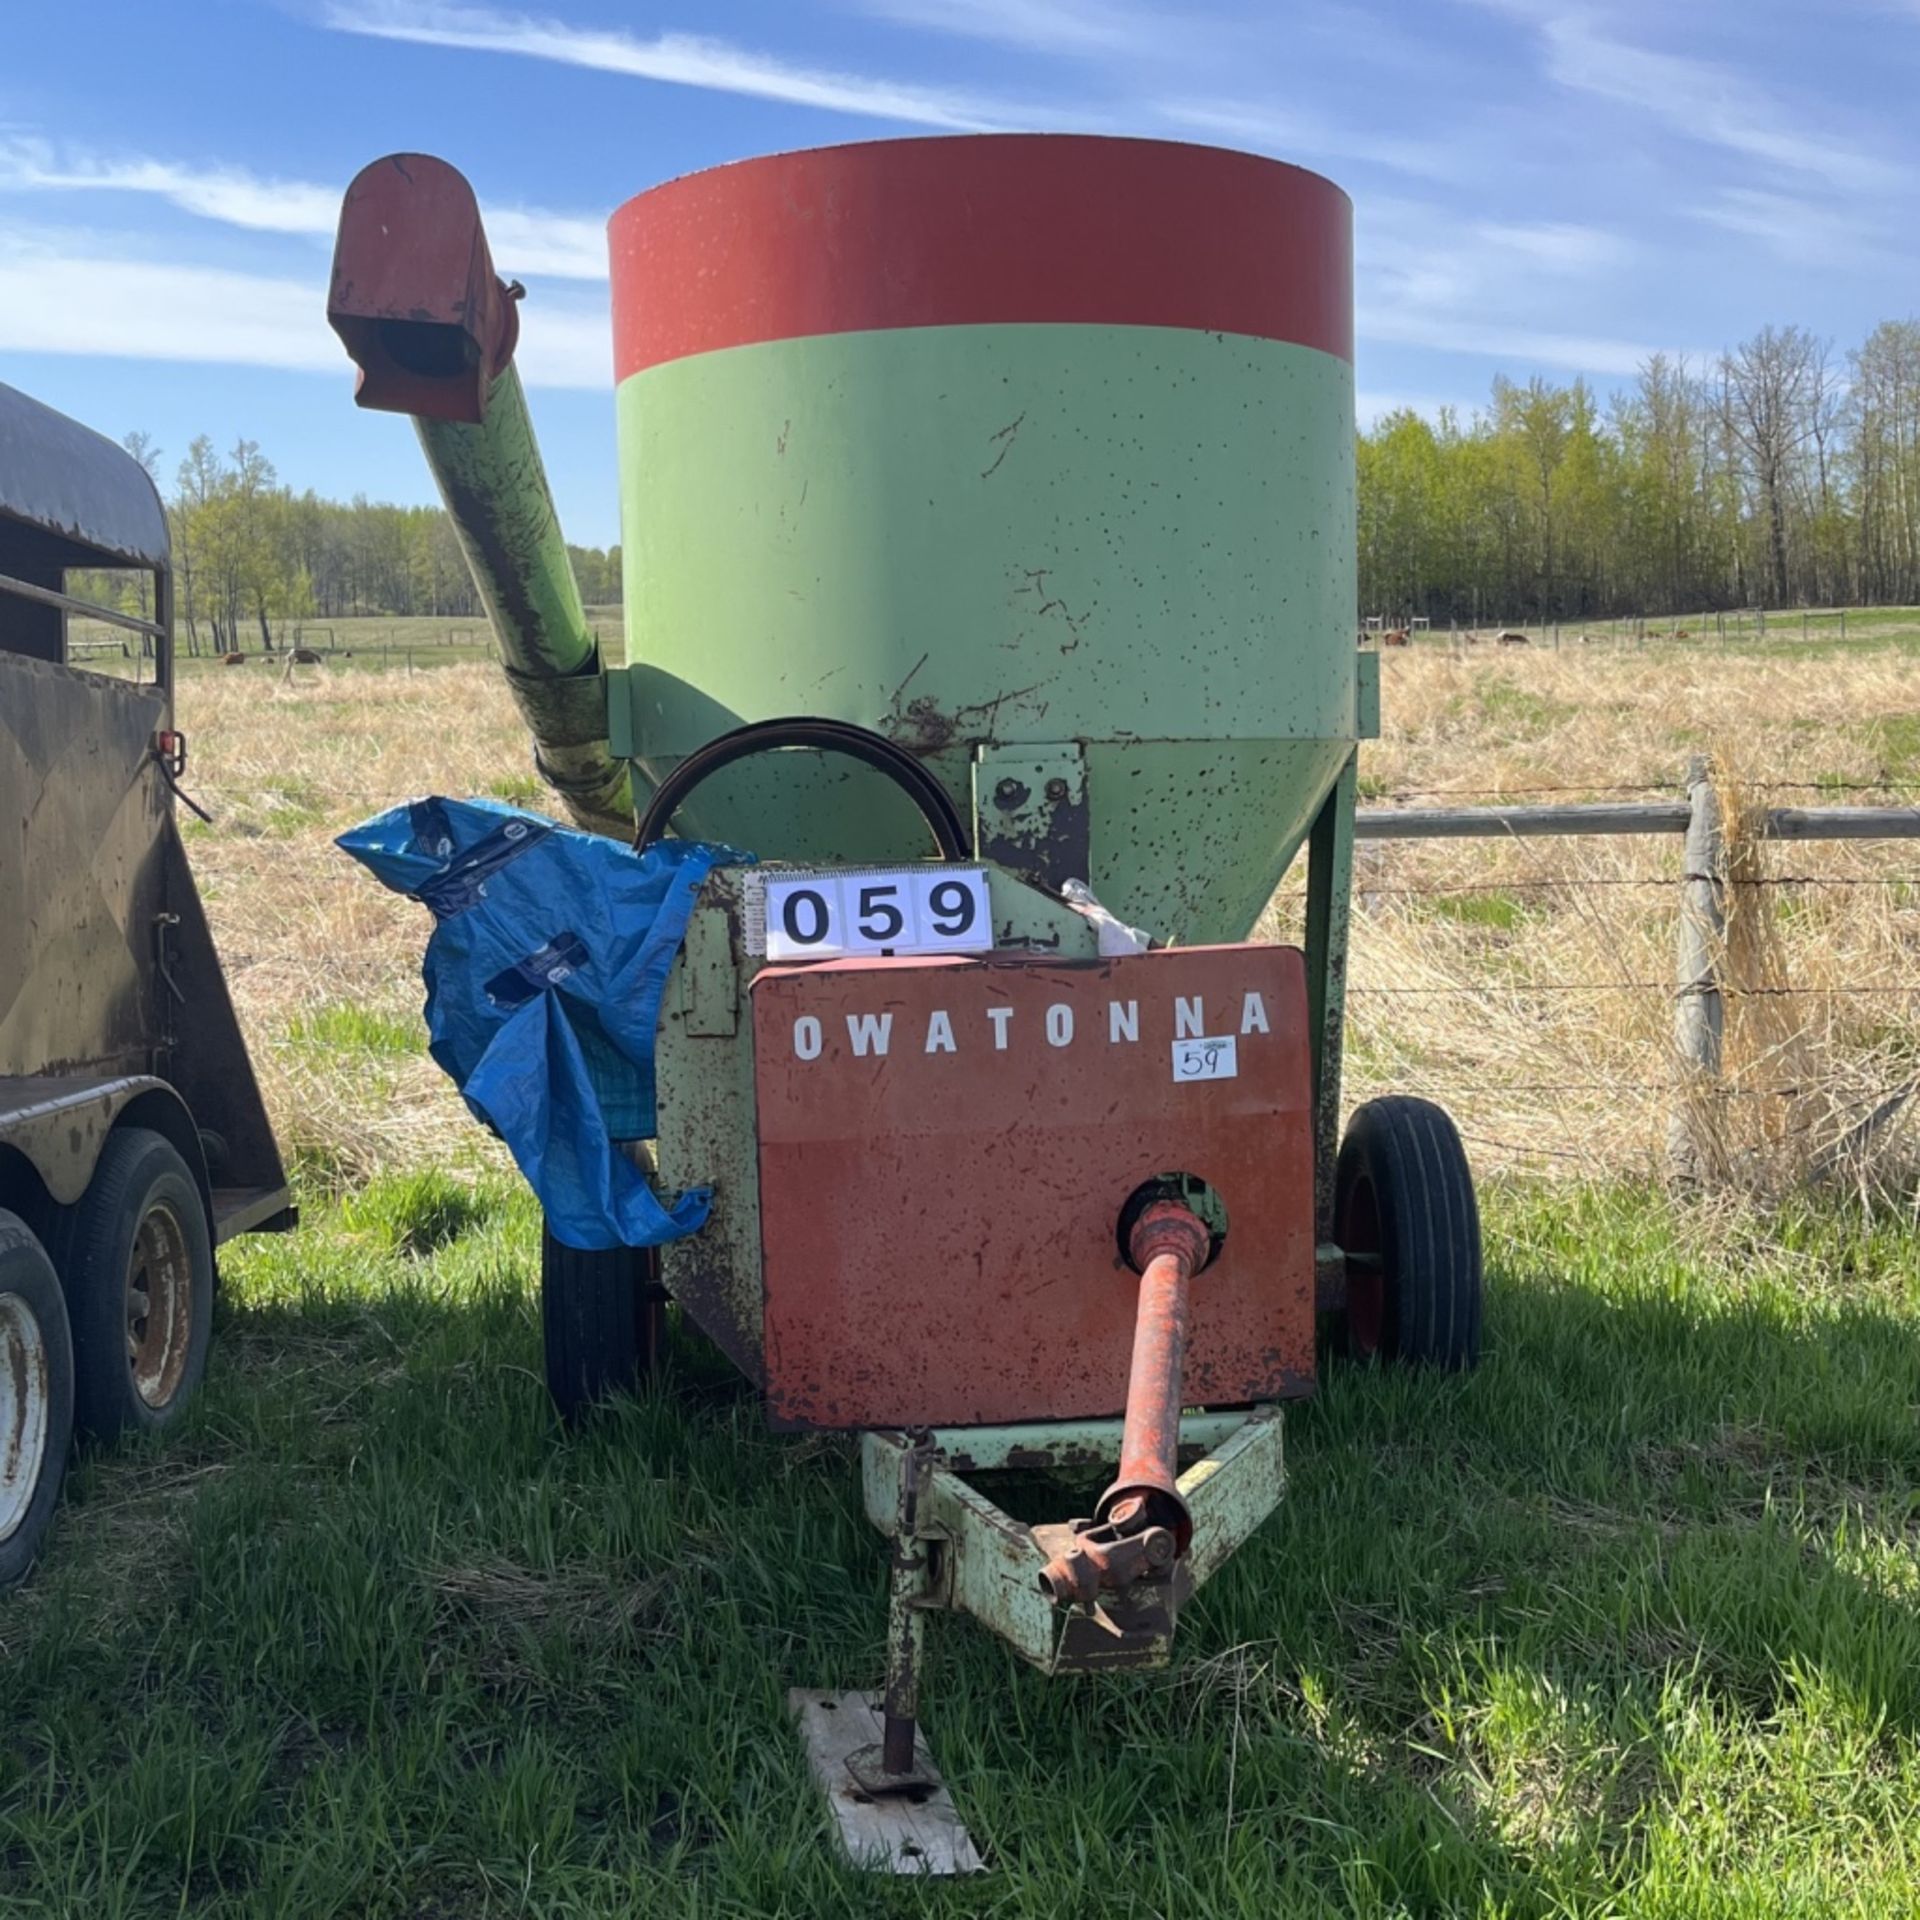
(305, 657)
(233, 659)
(1512, 639)
(1396, 638)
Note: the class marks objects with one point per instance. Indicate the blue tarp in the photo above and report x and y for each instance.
(549, 954)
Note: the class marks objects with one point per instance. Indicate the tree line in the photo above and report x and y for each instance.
(252, 559)
(1779, 474)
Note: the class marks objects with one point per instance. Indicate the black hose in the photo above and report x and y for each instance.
(824, 736)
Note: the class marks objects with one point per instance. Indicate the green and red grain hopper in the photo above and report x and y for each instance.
(987, 526)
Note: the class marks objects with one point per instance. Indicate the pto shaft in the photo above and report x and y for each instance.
(1168, 1246)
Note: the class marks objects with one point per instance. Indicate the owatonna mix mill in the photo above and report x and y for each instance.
(988, 536)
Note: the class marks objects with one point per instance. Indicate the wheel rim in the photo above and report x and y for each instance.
(1359, 1230)
(159, 1305)
(26, 1395)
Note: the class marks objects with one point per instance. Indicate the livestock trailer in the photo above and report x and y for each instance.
(133, 1141)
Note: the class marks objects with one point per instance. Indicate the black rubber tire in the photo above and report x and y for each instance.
(139, 1175)
(602, 1321)
(33, 1317)
(1403, 1192)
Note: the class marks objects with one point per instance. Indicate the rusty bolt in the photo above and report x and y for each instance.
(1010, 794)
(1056, 790)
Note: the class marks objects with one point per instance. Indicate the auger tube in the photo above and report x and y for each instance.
(417, 303)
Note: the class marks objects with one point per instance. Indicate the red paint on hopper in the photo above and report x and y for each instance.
(978, 231)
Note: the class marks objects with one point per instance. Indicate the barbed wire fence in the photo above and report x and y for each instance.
(1829, 1066)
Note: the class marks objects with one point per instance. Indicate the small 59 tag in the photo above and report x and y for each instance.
(826, 916)
(1206, 1059)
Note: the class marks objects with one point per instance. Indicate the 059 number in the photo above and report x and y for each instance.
(818, 916)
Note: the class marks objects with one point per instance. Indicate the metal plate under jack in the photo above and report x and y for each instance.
(915, 1833)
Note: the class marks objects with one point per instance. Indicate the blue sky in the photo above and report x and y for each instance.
(1538, 186)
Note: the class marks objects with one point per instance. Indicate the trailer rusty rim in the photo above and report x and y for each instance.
(1359, 1234)
(159, 1305)
(26, 1393)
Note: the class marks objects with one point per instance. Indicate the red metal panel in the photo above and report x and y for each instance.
(940, 1220)
(988, 230)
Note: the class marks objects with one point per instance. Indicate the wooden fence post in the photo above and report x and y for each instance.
(1699, 1014)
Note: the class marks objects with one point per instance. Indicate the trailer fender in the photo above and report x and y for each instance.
(58, 1127)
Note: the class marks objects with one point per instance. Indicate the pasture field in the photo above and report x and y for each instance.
(1626, 1623)
(1526, 983)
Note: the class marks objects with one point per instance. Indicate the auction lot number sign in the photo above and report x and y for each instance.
(832, 916)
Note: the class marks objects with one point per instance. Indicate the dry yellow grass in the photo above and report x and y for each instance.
(1525, 984)
(323, 963)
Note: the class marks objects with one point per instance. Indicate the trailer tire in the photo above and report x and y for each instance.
(139, 1351)
(36, 1396)
(602, 1321)
(1404, 1204)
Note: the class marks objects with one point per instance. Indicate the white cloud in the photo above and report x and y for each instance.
(1454, 333)
(88, 301)
(93, 294)
(1415, 254)
(1309, 137)
(1042, 26)
(1427, 278)
(677, 59)
(563, 246)
(523, 240)
(1700, 99)
(228, 194)
(565, 346)
(1552, 246)
(1799, 231)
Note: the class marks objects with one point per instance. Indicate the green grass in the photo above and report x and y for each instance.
(1500, 912)
(1898, 738)
(1517, 712)
(1625, 1623)
(347, 1026)
(519, 789)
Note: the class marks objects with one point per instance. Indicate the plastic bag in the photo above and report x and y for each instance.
(544, 972)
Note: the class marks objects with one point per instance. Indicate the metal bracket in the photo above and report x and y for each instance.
(1030, 812)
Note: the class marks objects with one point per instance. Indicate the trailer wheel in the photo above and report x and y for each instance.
(602, 1320)
(136, 1259)
(36, 1396)
(1405, 1214)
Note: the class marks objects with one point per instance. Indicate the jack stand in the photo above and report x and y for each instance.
(891, 1808)
(891, 1766)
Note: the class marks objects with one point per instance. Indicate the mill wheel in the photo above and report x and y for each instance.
(602, 1320)
(135, 1257)
(36, 1396)
(1405, 1214)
